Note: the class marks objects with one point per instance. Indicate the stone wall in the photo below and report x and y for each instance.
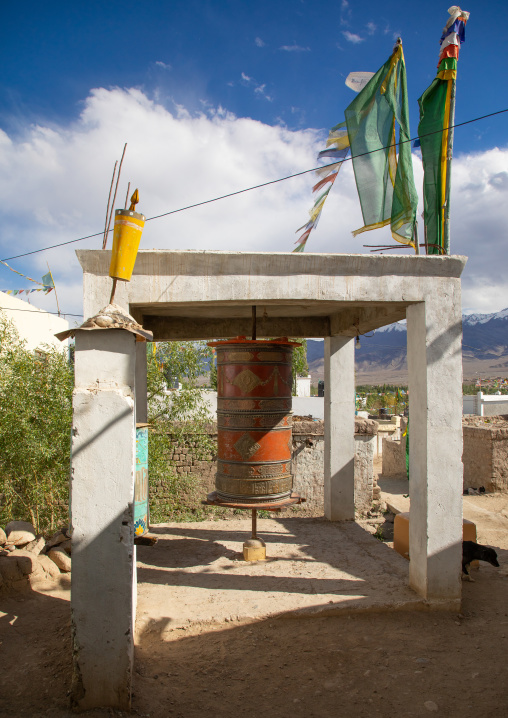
(308, 465)
(394, 458)
(485, 454)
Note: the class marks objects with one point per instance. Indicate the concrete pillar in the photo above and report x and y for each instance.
(102, 495)
(141, 391)
(479, 403)
(339, 428)
(434, 334)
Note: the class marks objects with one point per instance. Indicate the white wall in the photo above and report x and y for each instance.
(303, 385)
(34, 325)
(485, 404)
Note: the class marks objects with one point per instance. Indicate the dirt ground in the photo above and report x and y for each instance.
(200, 652)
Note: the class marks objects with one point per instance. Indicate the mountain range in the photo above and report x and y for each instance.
(381, 357)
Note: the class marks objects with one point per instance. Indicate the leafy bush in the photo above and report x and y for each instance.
(178, 417)
(35, 424)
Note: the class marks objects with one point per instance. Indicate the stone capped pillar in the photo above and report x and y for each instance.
(339, 479)
(102, 495)
(434, 354)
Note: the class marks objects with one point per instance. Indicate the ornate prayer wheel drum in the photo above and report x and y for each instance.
(254, 419)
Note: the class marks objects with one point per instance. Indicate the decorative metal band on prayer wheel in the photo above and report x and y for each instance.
(254, 420)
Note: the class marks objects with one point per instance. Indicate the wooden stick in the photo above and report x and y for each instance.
(114, 196)
(127, 195)
(113, 290)
(107, 208)
(449, 157)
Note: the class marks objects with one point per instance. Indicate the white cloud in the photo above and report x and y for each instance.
(352, 37)
(54, 184)
(259, 42)
(345, 13)
(163, 65)
(294, 48)
(371, 28)
(260, 91)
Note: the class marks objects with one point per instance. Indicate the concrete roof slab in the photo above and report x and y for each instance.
(201, 294)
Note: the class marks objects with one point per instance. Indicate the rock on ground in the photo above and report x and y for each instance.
(19, 533)
(36, 546)
(58, 556)
(57, 539)
(3, 537)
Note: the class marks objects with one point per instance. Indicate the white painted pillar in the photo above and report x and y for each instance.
(479, 402)
(434, 334)
(141, 379)
(339, 489)
(102, 495)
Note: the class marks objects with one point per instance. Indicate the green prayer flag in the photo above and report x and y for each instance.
(435, 111)
(47, 280)
(385, 186)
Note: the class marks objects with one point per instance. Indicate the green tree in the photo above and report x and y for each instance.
(178, 417)
(300, 366)
(35, 426)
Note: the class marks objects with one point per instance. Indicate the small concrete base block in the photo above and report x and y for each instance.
(401, 533)
(254, 550)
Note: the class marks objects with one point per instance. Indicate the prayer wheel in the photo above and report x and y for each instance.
(254, 420)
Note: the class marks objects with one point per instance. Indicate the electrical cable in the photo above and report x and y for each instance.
(258, 186)
(62, 314)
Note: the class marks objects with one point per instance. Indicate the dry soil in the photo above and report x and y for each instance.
(360, 662)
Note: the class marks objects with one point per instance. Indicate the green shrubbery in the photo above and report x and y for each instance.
(36, 419)
(180, 417)
(35, 430)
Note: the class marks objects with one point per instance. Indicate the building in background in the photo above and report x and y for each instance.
(34, 325)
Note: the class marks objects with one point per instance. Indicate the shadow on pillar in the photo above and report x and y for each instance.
(103, 615)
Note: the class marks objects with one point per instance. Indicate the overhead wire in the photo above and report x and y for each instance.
(258, 186)
(57, 314)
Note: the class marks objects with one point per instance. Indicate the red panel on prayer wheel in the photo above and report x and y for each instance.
(254, 419)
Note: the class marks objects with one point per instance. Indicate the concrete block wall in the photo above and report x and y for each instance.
(394, 458)
(485, 457)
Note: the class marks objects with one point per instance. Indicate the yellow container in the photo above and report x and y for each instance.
(401, 533)
(126, 237)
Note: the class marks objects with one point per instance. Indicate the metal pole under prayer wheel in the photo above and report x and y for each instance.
(254, 420)
(254, 549)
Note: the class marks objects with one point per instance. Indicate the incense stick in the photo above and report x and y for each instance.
(114, 196)
(107, 208)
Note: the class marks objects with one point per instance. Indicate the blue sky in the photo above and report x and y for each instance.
(216, 96)
(276, 61)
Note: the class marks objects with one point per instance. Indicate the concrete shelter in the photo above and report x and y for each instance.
(186, 295)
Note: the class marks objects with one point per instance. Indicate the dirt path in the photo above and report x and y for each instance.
(359, 664)
(368, 664)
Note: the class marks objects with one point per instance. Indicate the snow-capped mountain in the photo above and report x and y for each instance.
(382, 354)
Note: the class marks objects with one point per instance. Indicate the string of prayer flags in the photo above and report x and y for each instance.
(25, 276)
(337, 148)
(385, 182)
(15, 292)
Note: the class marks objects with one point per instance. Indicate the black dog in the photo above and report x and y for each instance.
(472, 551)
